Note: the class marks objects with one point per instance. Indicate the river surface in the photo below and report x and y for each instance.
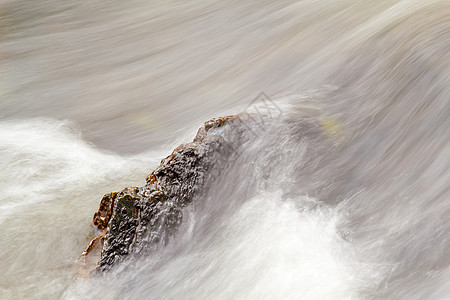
(93, 94)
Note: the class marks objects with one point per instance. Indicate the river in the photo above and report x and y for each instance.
(94, 94)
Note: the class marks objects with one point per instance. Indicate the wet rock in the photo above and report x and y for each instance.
(139, 219)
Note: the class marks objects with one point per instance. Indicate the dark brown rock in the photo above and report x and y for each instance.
(102, 216)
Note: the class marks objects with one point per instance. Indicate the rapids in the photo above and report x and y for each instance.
(93, 94)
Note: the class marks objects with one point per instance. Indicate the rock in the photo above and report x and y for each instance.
(139, 219)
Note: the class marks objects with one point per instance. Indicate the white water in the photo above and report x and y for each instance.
(92, 96)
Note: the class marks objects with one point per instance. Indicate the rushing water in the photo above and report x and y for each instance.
(94, 94)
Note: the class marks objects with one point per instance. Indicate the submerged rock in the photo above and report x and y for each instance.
(140, 219)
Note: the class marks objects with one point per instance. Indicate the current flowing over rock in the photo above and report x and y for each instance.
(138, 219)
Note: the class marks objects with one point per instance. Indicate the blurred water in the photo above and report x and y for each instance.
(93, 95)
